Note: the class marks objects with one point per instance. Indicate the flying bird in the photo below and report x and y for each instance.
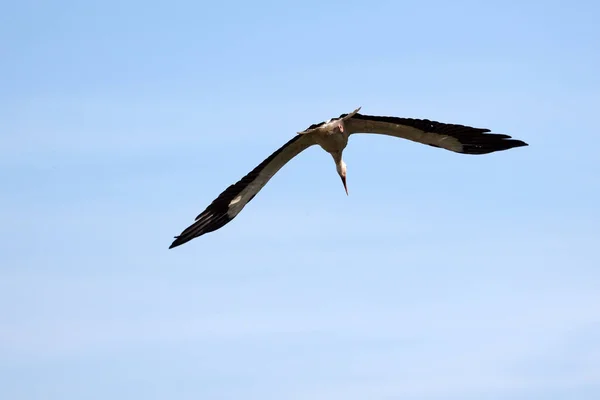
(332, 136)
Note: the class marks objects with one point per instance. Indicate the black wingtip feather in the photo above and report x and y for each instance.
(491, 143)
(179, 240)
(210, 220)
(175, 243)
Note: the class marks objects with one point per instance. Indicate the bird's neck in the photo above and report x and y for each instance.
(339, 162)
(337, 156)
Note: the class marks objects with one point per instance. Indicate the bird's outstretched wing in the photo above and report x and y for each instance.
(229, 203)
(453, 137)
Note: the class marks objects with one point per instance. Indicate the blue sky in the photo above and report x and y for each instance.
(441, 276)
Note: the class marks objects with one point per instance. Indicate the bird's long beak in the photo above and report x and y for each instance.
(344, 182)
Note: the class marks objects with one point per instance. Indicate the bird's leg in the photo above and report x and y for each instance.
(352, 114)
(341, 122)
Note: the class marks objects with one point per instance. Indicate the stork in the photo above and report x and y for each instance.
(332, 136)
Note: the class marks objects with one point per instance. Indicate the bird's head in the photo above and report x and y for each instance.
(341, 170)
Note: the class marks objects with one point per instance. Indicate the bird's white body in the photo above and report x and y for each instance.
(331, 142)
(331, 135)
